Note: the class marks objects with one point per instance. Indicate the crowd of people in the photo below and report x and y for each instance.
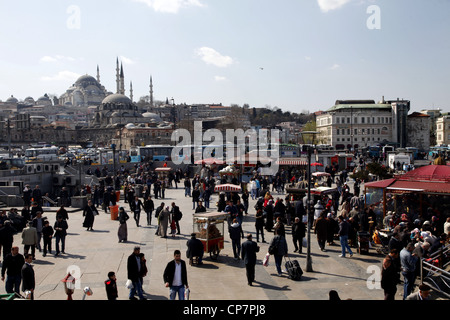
(340, 215)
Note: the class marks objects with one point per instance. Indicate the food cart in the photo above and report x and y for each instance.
(209, 229)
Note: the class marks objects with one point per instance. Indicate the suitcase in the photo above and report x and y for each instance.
(294, 270)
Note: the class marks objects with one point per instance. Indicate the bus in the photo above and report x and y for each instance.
(374, 151)
(152, 153)
(41, 154)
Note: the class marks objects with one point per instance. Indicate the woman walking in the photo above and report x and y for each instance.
(89, 212)
(122, 233)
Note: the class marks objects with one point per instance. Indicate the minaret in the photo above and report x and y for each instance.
(122, 80)
(131, 91)
(98, 74)
(117, 76)
(151, 92)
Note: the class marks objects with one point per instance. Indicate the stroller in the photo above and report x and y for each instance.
(382, 238)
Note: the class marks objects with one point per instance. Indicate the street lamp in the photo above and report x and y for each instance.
(309, 210)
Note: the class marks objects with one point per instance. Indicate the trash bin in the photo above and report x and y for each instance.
(117, 196)
(363, 242)
(114, 212)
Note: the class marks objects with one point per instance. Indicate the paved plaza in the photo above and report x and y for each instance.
(90, 255)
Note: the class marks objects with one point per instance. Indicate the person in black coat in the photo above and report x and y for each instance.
(259, 225)
(298, 233)
(194, 249)
(89, 212)
(169, 276)
(134, 274)
(135, 206)
(28, 280)
(149, 206)
(12, 266)
(249, 250)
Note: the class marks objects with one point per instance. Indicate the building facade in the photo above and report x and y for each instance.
(443, 130)
(361, 123)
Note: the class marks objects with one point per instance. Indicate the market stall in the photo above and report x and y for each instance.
(209, 229)
(412, 193)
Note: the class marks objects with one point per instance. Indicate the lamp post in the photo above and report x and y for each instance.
(309, 210)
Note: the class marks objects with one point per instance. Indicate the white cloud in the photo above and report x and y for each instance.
(126, 60)
(211, 56)
(328, 5)
(62, 76)
(170, 6)
(56, 58)
(308, 58)
(335, 66)
(220, 78)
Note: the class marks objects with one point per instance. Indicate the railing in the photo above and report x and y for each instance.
(436, 276)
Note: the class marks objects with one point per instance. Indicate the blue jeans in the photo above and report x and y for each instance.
(278, 260)
(177, 289)
(61, 239)
(137, 288)
(408, 279)
(344, 245)
(187, 191)
(13, 283)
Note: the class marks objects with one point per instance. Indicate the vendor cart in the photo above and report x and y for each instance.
(209, 229)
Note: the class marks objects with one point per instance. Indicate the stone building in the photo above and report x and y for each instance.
(418, 127)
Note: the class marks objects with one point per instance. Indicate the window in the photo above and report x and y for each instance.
(348, 131)
(363, 119)
(337, 120)
(363, 131)
(356, 131)
(337, 131)
(356, 120)
(348, 120)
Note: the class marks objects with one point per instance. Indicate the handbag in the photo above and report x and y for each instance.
(266, 260)
(129, 284)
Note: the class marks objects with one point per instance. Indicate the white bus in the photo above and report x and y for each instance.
(41, 154)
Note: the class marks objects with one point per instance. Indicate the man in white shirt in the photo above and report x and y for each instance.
(175, 276)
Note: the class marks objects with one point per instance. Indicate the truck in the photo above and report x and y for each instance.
(395, 158)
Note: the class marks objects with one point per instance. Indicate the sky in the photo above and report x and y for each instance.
(297, 55)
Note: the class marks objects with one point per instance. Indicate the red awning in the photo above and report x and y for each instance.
(210, 161)
(419, 186)
(380, 184)
(428, 173)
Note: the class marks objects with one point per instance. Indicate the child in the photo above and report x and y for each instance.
(47, 234)
(173, 228)
(111, 286)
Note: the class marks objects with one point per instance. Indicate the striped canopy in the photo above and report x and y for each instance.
(227, 187)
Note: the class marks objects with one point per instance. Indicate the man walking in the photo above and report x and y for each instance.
(249, 250)
(134, 274)
(12, 265)
(176, 215)
(175, 276)
(135, 207)
(149, 206)
(60, 233)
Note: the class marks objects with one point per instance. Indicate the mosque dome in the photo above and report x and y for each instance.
(150, 116)
(12, 99)
(117, 99)
(130, 126)
(85, 81)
